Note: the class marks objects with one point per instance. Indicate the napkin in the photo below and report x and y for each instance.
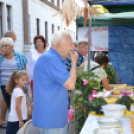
(94, 113)
(128, 113)
(111, 100)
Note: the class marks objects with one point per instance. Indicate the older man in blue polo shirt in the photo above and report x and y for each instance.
(51, 84)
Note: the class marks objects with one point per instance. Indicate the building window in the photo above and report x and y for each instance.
(58, 28)
(52, 28)
(74, 36)
(8, 17)
(52, 1)
(46, 32)
(58, 3)
(38, 26)
(1, 30)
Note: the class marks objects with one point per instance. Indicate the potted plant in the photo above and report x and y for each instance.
(97, 103)
(111, 73)
(125, 100)
(85, 84)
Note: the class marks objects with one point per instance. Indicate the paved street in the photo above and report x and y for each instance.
(2, 131)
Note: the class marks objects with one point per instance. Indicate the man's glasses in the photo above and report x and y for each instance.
(85, 48)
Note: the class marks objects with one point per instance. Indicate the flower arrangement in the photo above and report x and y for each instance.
(125, 99)
(70, 115)
(125, 93)
(86, 85)
(111, 73)
(94, 92)
(97, 103)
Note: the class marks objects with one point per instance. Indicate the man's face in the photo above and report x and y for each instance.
(83, 50)
(65, 46)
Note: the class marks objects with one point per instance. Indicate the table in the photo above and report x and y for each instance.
(91, 124)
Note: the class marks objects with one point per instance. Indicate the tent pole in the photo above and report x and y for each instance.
(89, 42)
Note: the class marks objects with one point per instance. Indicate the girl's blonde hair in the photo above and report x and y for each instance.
(11, 83)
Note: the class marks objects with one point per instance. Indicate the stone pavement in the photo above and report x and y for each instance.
(2, 131)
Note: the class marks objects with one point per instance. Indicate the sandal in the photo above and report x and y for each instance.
(3, 125)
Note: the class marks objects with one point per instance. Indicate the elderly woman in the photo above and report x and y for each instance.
(9, 62)
(97, 67)
(40, 48)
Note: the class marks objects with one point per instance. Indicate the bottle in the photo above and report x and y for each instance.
(120, 79)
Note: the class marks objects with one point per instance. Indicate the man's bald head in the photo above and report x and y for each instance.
(10, 34)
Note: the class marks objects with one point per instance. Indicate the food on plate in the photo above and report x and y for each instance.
(115, 92)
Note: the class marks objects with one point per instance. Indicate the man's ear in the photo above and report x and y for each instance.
(58, 45)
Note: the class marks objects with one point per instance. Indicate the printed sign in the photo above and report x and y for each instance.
(99, 37)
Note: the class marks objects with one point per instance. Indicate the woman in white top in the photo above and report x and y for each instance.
(40, 48)
(18, 110)
(97, 67)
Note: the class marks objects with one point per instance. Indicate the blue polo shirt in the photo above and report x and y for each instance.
(50, 98)
(68, 63)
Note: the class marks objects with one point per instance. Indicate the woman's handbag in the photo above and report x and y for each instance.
(28, 128)
(29, 106)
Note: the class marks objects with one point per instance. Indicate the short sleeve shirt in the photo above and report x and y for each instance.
(68, 63)
(100, 72)
(21, 61)
(12, 117)
(50, 99)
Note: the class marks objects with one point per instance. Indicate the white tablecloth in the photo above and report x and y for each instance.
(91, 124)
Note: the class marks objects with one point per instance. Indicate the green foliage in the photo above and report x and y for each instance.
(98, 102)
(111, 73)
(125, 100)
(82, 108)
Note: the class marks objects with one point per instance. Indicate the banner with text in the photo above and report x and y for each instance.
(99, 37)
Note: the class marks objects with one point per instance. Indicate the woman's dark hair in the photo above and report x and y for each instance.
(101, 59)
(39, 37)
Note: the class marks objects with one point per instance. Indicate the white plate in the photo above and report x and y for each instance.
(99, 94)
(107, 131)
(108, 121)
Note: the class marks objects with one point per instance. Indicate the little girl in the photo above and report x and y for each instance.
(18, 109)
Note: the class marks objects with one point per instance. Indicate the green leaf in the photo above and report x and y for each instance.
(85, 101)
(79, 116)
(76, 99)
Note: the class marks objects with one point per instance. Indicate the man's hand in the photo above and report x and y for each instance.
(70, 83)
(73, 56)
(1, 52)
